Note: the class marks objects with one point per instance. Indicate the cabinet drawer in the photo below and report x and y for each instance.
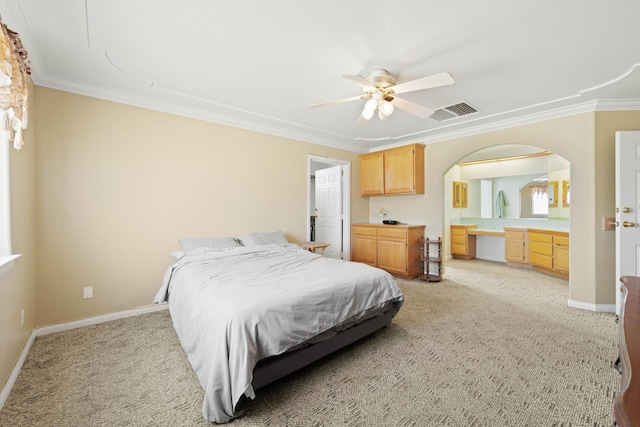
(516, 235)
(541, 260)
(394, 233)
(541, 248)
(561, 240)
(458, 231)
(365, 231)
(458, 249)
(459, 240)
(545, 238)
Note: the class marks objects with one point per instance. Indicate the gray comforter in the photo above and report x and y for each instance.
(233, 307)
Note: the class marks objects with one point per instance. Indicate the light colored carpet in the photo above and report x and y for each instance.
(487, 346)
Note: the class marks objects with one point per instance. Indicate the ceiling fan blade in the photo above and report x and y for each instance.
(410, 107)
(338, 101)
(436, 80)
(361, 81)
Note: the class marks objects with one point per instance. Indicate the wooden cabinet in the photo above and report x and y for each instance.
(463, 244)
(372, 174)
(626, 405)
(549, 252)
(394, 171)
(541, 249)
(460, 194)
(364, 245)
(561, 253)
(516, 247)
(393, 248)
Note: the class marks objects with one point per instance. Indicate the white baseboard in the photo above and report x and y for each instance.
(4, 394)
(45, 330)
(601, 308)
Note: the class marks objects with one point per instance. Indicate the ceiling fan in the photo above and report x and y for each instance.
(380, 88)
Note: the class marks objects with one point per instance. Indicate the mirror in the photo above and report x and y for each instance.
(510, 169)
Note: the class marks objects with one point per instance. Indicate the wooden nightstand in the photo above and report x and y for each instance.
(312, 246)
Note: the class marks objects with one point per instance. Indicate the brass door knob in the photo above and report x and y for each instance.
(628, 224)
(614, 223)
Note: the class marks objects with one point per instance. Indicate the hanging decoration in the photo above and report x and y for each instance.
(13, 87)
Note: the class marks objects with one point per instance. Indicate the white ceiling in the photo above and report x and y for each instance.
(259, 64)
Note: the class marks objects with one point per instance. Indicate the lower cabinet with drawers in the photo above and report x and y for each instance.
(463, 244)
(549, 252)
(393, 248)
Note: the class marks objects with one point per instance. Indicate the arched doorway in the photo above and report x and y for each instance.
(501, 183)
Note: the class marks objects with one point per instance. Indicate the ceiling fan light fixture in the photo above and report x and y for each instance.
(386, 108)
(369, 108)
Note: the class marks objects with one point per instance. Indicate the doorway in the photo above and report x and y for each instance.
(517, 171)
(315, 163)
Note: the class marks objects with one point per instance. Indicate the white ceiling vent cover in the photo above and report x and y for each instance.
(453, 111)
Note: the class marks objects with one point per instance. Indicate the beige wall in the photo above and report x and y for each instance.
(587, 141)
(119, 185)
(18, 284)
(104, 190)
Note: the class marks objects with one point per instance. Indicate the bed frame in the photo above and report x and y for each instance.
(274, 368)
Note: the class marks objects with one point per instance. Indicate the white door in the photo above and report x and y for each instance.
(627, 207)
(328, 227)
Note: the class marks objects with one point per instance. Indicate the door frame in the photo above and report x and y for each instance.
(345, 166)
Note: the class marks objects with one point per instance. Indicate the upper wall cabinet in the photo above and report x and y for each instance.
(394, 171)
(460, 194)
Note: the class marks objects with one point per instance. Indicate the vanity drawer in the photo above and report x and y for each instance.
(541, 248)
(561, 240)
(394, 233)
(543, 238)
(545, 261)
(364, 231)
(459, 239)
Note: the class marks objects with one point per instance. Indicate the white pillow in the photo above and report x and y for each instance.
(188, 245)
(255, 239)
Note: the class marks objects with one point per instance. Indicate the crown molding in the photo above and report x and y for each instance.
(340, 141)
(555, 113)
(190, 112)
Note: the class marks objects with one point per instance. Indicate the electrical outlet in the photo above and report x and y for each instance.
(22, 318)
(87, 292)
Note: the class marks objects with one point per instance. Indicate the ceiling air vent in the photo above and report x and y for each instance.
(453, 111)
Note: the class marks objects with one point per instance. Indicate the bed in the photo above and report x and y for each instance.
(251, 310)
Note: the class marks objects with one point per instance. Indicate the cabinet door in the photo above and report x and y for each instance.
(514, 246)
(404, 170)
(392, 255)
(561, 253)
(457, 196)
(399, 172)
(364, 249)
(371, 174)
(464, 194)
(561, 259)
